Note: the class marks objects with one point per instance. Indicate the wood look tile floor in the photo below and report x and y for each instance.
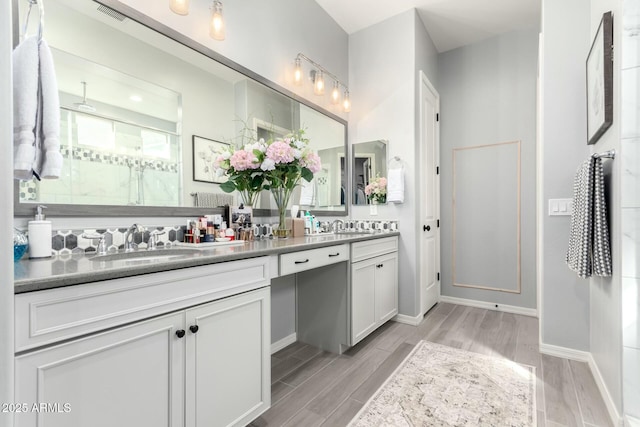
(315, 388)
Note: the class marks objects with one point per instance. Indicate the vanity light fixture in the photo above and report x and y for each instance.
(216, 28)
(335, 93)
(346, 104)
(317, 77)
(318, 82)
(181, 7)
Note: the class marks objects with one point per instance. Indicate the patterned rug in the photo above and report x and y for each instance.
(438, 385)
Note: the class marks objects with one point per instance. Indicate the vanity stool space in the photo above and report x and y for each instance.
(182, 347)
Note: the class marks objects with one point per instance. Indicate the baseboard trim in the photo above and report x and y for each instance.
(616, 419)
(532, 312)
(280, 344)
(409, 320)
(564, 352)
(587, 357)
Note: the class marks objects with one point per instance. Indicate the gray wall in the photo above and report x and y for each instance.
(384, 77)
(6, 214)
(488, 96)
(605, 293)
(565, 298)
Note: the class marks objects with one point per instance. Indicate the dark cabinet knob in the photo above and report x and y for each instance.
(426, 227)
(194, 328)
(180, 333)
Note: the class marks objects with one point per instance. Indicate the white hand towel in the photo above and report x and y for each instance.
(395, 185)
(25, 107)
(50, 164)
(307, 193)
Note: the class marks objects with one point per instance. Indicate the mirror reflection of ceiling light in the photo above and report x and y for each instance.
(181, 7)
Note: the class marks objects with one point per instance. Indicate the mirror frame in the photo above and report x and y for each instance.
(69, 210)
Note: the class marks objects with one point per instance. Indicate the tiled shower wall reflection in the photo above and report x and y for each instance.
(630, 148)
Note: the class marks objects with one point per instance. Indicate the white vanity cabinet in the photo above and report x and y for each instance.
(374, 285)
(202, 364)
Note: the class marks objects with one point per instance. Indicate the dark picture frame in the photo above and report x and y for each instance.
(204, 153)
(600, 81)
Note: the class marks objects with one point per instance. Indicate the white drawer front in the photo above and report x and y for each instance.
(45, 317)
(372, 248)
(313, 258)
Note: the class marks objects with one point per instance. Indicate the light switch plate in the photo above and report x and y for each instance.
(560, 207)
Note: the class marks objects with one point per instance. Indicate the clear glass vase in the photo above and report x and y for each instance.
(282, 196)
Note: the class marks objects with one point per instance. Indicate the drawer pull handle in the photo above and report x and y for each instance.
(194, 328)
(302, 262)
(379, 265)
(336, 254)
(180, 333)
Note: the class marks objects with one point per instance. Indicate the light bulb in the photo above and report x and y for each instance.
(297, 73)
(335, 93)
(181, 7)
(318, 83)
(216, 28)
(346, 104)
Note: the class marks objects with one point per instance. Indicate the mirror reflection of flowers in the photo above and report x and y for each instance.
(376, 191)
(242, 168)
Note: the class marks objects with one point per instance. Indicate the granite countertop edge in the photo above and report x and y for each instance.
(27, 280)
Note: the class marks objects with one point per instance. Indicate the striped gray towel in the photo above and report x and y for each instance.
(589, 250)
(213, 200)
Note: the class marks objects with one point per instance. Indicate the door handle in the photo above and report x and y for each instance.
(426, 228)
(180, 333)
(302, 262)
(193, 328)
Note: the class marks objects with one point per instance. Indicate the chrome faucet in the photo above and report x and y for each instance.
(129, 246)
(334, 224)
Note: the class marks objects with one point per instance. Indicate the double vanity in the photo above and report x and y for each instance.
(184, 337)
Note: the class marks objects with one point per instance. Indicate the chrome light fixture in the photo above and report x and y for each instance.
(181, 7)
(216, 27)
(317, 77)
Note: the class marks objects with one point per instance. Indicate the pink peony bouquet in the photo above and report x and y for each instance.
(377, 190)
(272, 165)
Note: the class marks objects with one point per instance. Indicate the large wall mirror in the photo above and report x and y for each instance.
(134, 93)
(369, 162)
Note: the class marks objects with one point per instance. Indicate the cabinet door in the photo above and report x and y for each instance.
(386, 287)
(130, 376)
(228, 360)
(363, 301)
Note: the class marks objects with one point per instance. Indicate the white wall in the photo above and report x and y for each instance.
(564, 305)
(385, 78)
(6, 214)
(488, 96)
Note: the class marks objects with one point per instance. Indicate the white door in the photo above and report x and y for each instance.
(128, 377)
(429, 196)
(229, 360)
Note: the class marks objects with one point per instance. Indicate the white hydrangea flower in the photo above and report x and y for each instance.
(268, 165)
(226, 155)
(297, 153)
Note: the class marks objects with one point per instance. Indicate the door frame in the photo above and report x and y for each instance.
(425, 84)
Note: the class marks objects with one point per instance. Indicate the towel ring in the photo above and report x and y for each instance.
(395, 160)
(40, 12)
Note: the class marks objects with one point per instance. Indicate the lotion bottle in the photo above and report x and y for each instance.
(39, 235)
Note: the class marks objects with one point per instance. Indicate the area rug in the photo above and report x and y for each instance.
(437, 385)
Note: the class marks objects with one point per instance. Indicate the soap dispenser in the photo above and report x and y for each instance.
(39, 235)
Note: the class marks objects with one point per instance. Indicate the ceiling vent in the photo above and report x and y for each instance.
(111, 13)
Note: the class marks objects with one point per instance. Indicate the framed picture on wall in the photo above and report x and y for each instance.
(600, 81)
(204, 153)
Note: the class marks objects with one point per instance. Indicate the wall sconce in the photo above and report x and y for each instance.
(216, 28)
(317, 77)
(181, 7)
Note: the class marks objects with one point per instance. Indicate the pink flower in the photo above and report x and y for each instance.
(382, 182)
(243, 160)
(217, 163)
(280, 152)
(312, 162)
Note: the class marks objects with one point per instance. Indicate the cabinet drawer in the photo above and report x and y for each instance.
(313, 258)
(372, 248)
(44, 317)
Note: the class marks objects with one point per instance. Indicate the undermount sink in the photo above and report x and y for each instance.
(147, 256)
